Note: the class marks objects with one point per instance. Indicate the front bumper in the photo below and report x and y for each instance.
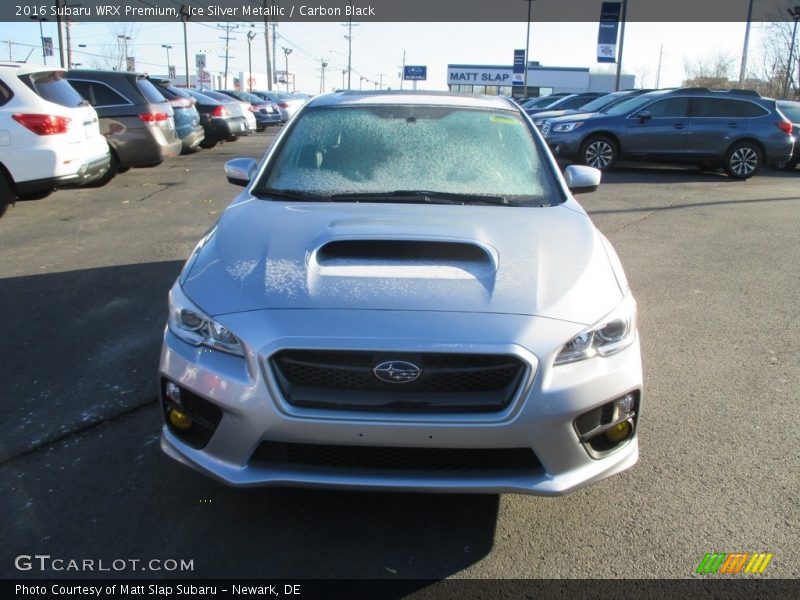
(540, 418)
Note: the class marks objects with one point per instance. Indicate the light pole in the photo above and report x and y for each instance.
(621, 43)
(323, 64)
(344, 72)
(41, 37)
(125, 39)
(167, 46)
(743, 69)
(185, 13)
(361, 83)
(286, 53)
(250, 36)
(795, 14)
(527, 46)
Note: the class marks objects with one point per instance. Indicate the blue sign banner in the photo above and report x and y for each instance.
(518, 73)
(47, 44)
(415, 73)
(607, 35)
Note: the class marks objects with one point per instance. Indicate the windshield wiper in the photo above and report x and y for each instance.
(288, 195)
(420, 197)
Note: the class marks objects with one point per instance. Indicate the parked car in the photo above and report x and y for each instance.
(599, 104)
(187, 118)
(791, 110)
(135, 118)
(265, 112)
(542, 101)
(49, 136)
(243, 109)
(566, 102)
(735, 129)
(405, 296)
(221, 121)
(287, 103)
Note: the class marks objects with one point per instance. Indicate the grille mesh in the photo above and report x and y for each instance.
(276, 454)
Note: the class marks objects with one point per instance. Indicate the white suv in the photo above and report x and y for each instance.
(49, 135)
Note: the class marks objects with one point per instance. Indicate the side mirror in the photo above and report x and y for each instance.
(240, 171)
(581, 179)
(645, 115)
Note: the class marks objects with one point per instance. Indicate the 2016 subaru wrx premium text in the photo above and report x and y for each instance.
(405, 296)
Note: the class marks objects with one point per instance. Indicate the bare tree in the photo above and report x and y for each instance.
(112, 55)
(769, 76)
(711, 72)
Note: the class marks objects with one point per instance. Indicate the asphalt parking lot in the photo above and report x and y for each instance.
(83, 282)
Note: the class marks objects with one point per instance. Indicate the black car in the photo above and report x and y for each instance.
(187, 119)
(566, 102)
(265, 112)
(218, 121)
(791, 110)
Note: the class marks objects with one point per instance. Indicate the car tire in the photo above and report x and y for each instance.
(41, 194)
(599, 152)
(787, 165)
(113, 169)
(742, 160)
(7, 195)
(206, 144)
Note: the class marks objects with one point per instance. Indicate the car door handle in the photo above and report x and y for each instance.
(679, 126)
(733, 125)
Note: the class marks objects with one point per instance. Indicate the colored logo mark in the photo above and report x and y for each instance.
(737, 562)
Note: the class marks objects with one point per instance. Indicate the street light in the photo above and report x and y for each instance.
(250, 36)
(527, 47)
(286, 53)
(323, 64)
(168, 47)
(185, 14)
(794, 13)
(344, 72)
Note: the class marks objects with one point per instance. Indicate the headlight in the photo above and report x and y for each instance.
(565, 127)
(615, 332)
(192, 325)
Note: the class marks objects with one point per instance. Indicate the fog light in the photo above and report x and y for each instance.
(173, 392)
(619, 432)
(180, 420)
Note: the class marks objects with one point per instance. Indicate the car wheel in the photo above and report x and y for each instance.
(208, 144)
(113, 169)
(599, 152)
(35, 195)
(787, 165)
(7, 195)
(743, 160)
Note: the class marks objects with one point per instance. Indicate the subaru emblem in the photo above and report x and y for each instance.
(397, 371)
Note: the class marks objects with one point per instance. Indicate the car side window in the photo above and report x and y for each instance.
(668, 107)
(5, 93)
(726, 108)
(98, 94)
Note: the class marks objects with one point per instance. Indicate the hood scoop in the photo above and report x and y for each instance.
(404, 258)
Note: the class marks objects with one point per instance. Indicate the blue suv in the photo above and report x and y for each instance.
(737, 130)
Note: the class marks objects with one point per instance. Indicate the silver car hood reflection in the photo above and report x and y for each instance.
(548, 262)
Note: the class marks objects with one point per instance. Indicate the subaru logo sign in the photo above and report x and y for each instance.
(397, 371)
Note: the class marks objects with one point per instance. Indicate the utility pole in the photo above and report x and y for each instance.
(621, 43)
(167, 46)
(266, 41)
(185, 13)
(274, 25)
(349, 38)
(69, 41)
(125, 39)
(227, 27)
(658, 73)
(743, 70)
(527, 47)
(344, 73)
(41, 39)
(60, 5)
(380, 81)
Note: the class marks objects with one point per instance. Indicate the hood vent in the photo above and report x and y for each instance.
(403, 258)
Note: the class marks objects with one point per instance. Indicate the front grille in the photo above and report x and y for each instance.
(380, 458)
(447, 382)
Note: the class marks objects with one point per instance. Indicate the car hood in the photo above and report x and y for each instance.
(573, 116)
(533, 261)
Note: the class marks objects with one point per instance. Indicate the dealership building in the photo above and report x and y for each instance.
(496, 79)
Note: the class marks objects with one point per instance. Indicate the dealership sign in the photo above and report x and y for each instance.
(415, 73)
(518, 73)
(479, 76)
(607, 35)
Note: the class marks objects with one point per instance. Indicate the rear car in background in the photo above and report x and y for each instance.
(737, 130)
(219, 122)
(265, 112)
(49, 136)
(134, 116)
(405, 296)
(237, 108)
(599, 104)
(187, 118)
(791, 110)
(287, 103)
(569, 101)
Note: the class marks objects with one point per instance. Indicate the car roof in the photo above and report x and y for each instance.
(352, 98)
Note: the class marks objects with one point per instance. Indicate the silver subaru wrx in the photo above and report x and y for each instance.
(405, 296)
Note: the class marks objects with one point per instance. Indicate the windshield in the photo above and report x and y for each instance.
(628, 105)
(603, 101)
(382, 149)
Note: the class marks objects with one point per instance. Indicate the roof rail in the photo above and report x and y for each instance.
(740, 91)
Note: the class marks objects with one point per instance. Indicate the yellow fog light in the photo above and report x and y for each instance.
(180, 420)
(619, 432)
